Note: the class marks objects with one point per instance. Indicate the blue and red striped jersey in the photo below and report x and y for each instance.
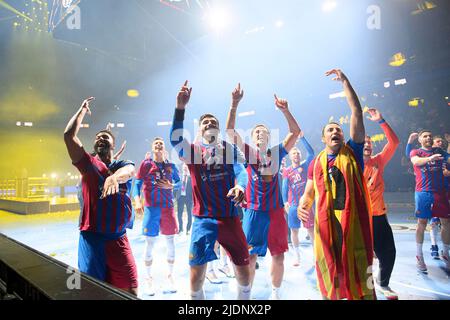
(148, 174)
(430, 177)
(296, 182)
(112, 214)
(264, 189)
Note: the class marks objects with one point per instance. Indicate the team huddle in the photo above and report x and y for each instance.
(337, 195)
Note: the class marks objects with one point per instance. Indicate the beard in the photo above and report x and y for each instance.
(102, 148)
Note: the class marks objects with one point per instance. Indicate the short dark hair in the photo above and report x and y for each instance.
(207, 115)
(423, 131)
(107, 132)
(332, 122)
(437, 137)
(158, 138)
(260, 125)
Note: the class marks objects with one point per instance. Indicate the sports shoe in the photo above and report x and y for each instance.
(171, 288)
(421, 266)
(150, 288)
(388, 293)
(275, 295)
(212, 277)
(307, 236)
(257, 265)
(435, 252)
(296, 262)
(446, 259)
(226, 271)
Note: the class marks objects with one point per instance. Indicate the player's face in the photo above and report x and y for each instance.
(426, 140)
(438, 143)
(158, 146)
(260, 136)
(103, 143)
(368, 147)
(295, 155)
(333, 135)
(209, 128)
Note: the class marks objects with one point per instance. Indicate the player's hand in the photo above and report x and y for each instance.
(148, 155)
(413, 137)
(164, 184)
(183, 96)
(303, 213)
(237, 196)
(281, 104)
(237, 95)
(374, 115)
(110, 187)
(340, 76)
(138, 208)
(85, 105)
(435, 157)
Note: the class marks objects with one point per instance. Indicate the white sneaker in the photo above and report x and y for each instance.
(275, 295)
(212, 277)
(150, 288)
(171, 287)
(296, 262)
(226, 271)
(388, 293)
(421, 266)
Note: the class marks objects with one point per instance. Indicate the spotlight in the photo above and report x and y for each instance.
(329, 5)
(218, 19)
(279, 23)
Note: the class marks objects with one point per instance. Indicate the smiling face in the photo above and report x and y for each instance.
(333, 136)
(103, 143)
(209, 128)
(426, 139)
(295, 156)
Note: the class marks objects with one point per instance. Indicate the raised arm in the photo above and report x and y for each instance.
(357, 131)
(73, 143)
(177, 132)
(409, 146)
(232, 134)
(294, 129)
(392, 140)
(308, 148)
(121, 150)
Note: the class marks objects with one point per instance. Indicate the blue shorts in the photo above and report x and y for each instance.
(157, 220)
(293, 220)
(266, 230)
(431, 204)
(227, 231)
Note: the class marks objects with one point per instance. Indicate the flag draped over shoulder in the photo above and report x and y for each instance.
(343, 240)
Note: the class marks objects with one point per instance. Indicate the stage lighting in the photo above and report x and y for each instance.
(132, 93)
(163, 123)
(387, 84)
(218, 19)
(28, 124)
(397, 60)
(18, 123)
(337, 95)
(329, 5)
(121, 125)
(400, 82)
(246, 114)
(279, 23)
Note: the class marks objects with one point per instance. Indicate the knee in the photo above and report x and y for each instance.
(278, 259)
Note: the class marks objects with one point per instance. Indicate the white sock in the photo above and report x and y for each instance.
(297, 251)
(149, 271)
(170, 268)
(244, 292)
(446, 249)
(434, 234)
(198, 295)
(419, 249)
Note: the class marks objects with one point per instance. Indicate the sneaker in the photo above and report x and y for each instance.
(226, 271)
(257, 265)
(171, 288)
(150, 288)
(435, 252)
(275, 295)
(307, 236)
(212, 277)
(296, 261)
(446, 259)
(421, 266)
(388, 293)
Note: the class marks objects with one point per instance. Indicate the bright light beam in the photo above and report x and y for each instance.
(7, 6)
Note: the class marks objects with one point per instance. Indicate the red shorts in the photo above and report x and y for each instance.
(121, 269)
(278, 232)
